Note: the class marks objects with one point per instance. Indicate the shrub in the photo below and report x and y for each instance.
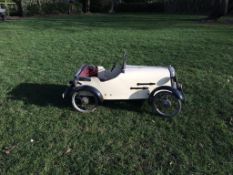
(52, 8)
(78, 7)
(100, 5)
(33, 9)
(188, 6)
(140, 7)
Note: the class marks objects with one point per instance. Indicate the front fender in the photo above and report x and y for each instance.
(178, 93)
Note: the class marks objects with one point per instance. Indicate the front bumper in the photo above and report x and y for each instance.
(178, 87)
(68, 90)
(180, 90)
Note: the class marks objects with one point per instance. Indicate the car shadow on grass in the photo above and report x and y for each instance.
(133, 105)
(51, 95)
(39, 94)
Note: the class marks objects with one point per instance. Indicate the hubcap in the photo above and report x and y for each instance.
(85, 100)
(167, 103)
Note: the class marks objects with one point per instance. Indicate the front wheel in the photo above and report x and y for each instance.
(166, 103)
(84, 101)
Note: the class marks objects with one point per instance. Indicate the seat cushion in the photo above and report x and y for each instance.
(108, 75)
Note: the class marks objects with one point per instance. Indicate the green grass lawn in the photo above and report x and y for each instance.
(39, 56)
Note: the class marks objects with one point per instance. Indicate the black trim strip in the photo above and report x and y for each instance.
(143, 88)
(150, 84)
(84, 78)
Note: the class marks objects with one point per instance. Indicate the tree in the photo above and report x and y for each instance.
(86, 6)
(220, 8)
(19, 6)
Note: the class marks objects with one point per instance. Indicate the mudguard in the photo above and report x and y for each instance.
(178, 93)
(91, 89)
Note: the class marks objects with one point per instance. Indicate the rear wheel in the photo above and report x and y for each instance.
(166, 103)
(84, 101)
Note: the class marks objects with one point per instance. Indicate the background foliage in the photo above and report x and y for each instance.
(100, 5)
(188, 6)
(172, 6)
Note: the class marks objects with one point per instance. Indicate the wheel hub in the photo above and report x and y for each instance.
(167, 103)
(85, 100)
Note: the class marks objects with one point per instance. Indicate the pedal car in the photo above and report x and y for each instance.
(94, 84)
(2, 13)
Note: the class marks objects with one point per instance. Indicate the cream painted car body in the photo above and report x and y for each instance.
(136, 82)
(2, 11)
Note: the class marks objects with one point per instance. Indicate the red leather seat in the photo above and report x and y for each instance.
(89, 71)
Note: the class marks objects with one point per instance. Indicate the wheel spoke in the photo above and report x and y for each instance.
(166, 103)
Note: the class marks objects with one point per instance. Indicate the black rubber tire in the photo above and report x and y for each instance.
(78, 98)
(166, 103)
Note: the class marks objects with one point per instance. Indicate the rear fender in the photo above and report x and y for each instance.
(90, 89)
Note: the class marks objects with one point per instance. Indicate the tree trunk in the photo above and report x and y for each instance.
(39, 5)
(88, 4)
(220, 9)
(230, 8)
(19, 6)
(112, 6)
(226, 6)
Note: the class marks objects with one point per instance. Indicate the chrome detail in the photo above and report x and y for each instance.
(172, 71)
